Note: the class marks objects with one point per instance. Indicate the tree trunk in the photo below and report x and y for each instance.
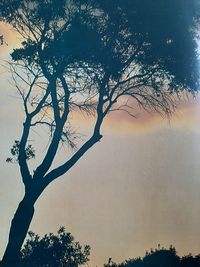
(18, 230)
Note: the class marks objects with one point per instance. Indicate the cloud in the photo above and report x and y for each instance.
(11, 39)
(186, 116)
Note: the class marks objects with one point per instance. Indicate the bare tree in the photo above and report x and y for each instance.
(76, 56)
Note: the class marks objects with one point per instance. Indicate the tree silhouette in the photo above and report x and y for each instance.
(94, 57)
(159, 257)
(190, 261)
(53, 251)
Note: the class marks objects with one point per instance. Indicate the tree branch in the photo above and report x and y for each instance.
(26, 176)
(55, 173)
(60, 122)
(52, 175)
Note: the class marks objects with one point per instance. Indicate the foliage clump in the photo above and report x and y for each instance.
(29, 152)
(161, 257)
(54, 250)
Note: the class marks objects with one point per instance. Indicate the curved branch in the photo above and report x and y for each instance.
(55, 173)
(66, 166)
(60, 122)
(42, 101)
(26, 176)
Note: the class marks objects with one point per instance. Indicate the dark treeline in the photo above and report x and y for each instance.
(61, 250)
(161, 257)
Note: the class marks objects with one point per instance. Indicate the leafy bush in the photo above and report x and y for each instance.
(160, 257)
(58, 250)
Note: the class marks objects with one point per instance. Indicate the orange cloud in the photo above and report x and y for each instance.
(187, 116)
(11, 39)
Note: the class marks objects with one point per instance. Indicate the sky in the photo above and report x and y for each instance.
(137, 188)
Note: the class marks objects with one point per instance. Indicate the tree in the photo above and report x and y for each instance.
(53, 251)
(94, 57)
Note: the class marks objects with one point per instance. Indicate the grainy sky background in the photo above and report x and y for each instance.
(136, 188)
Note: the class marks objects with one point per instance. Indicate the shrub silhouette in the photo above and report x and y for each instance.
(53, 251)
(160, 257)
(190, 261)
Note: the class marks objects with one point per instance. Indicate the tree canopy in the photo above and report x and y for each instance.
(111, 35)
